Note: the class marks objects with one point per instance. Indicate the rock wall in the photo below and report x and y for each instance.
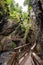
(37, 6)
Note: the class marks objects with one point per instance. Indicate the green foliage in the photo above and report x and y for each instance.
(15, 12)
(27, 2)
(14, 45)
(25, 15)
(8, 1)
(4, 10)
(27, 27)
(15, 16)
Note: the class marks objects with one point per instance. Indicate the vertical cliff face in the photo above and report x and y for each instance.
(37, 6)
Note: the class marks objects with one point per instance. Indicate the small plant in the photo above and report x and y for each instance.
(14, 45)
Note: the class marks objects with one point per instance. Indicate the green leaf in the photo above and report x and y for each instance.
(13, 45)
(8, 1)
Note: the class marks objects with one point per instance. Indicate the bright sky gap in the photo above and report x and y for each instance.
(20, 2)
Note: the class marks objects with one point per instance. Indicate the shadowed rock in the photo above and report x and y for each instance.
(38, 10)
(8, 27)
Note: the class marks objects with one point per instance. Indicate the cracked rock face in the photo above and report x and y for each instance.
(38, 10)
(41, 3)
